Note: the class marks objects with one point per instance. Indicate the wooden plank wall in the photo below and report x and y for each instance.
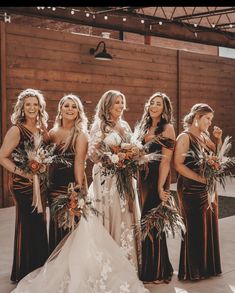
(210, 79)
(59, 63)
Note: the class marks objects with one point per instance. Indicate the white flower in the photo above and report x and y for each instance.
(114, 159)
(126, 146)
(112, 139)
(81, 202)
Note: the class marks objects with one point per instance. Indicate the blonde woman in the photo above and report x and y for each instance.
(30, 245)
(119, 214)
(70, 135)
(200, 253)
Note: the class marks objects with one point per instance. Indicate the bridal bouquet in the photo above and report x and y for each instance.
(165, 218)
(124, 161)
(67, 209)
(213, 167)
(34, 158)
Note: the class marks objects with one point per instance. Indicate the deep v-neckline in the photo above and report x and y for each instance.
(202, 143)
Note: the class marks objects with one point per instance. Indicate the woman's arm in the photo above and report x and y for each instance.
(181, 149)
(164, 167)
(10, 142)
(80, 158)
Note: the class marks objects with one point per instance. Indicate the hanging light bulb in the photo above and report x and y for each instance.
(87, 14)
(124, 19)
(160, 22)
(142, 21)
(105, 17)
(72, 12)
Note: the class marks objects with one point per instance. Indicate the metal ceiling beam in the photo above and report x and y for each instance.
(204, 14)
(172, 30)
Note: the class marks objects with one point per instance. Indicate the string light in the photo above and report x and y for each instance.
(213, 25)
(195, 24)
(72, 12)
(231, 26)
(87, 14)
(54, 8)
(160, 22)
(142, 21)
(124, 19)
(105, 17)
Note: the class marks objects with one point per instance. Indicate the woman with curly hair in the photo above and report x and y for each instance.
(156, 130)
(30, 245)
(69, 133)
(119, 213)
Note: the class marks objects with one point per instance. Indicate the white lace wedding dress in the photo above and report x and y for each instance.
(90, 261)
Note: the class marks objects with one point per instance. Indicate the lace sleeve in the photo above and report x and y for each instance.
(95, 137)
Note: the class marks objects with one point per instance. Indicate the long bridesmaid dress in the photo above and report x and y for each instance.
(30, 244)
(200, 253)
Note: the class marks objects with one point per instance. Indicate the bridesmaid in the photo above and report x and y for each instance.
(30, 244)
(70, 135)
(157, 131)
(200, 255)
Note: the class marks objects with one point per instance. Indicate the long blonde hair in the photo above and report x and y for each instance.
(18, 114)
(102, 119)
(80, 124)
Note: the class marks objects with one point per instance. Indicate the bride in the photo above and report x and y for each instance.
(119, 212)
(96, 257)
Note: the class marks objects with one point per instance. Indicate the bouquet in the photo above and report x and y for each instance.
(124, 161)
(68, 208)
(34, 158)
(215, 168)
(164, 218)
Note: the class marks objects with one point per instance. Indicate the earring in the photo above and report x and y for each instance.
(22, 114)
(60, 117)
(163, 116)
(37, 118)
(196, 123)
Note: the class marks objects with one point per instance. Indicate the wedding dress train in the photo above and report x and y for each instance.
(89, 261)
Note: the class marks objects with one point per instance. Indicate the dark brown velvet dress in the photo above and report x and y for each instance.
(60, 176)
(200, 254)
(30, 244)
(155, 264)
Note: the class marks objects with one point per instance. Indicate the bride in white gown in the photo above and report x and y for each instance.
(119, 213)
(90, 260)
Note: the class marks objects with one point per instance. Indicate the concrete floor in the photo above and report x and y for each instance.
(223, 284)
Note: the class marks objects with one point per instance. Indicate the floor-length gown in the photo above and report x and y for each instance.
(118, 214)
(30, 243)
(200, 254)
(89, 261)
(60, 176)
(156, 265)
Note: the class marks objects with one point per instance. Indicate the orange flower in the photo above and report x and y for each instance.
(34, 166)
(115, 149)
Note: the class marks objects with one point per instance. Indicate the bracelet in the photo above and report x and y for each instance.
(81, 162)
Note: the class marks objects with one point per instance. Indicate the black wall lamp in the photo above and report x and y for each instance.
(103, 55)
